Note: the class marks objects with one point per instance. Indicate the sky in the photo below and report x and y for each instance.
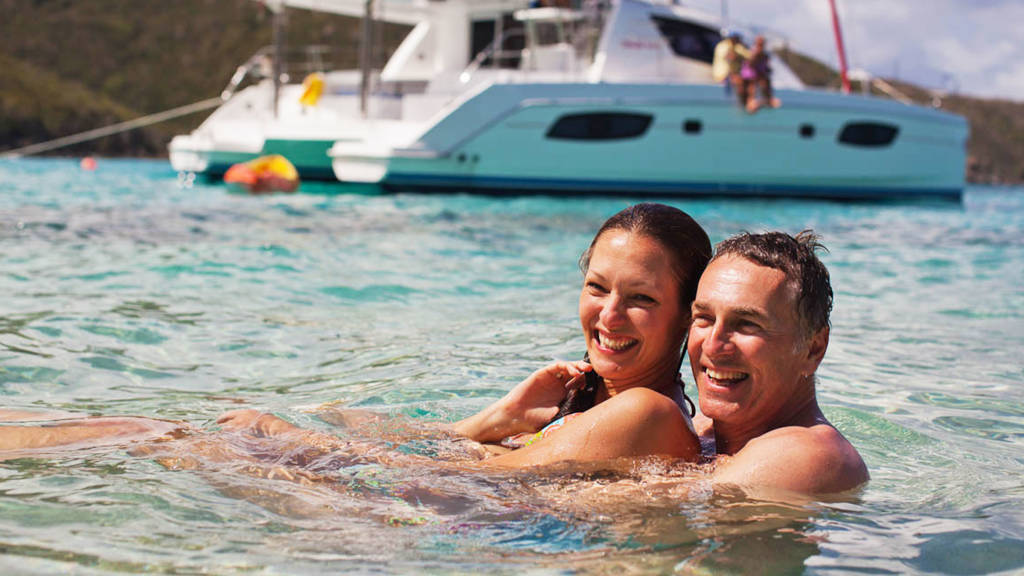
(970, 47)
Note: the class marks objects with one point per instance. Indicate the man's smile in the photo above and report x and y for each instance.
(724, 377)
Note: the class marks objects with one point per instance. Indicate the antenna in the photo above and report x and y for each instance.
(839, 45)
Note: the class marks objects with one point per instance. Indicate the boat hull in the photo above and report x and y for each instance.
(698, 142)
(309, 156)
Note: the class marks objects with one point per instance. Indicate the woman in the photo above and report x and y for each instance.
(640, 276)
(757, 72)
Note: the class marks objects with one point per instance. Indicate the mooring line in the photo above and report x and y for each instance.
(112, 129)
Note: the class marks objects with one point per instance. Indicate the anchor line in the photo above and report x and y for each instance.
(97, 133)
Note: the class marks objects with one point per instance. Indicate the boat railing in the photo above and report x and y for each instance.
(295, 63)
(575, 39)
(495, 53)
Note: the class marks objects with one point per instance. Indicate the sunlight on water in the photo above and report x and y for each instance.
(128, 293)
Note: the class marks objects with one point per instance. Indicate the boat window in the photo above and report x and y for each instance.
(687, 39)
(481, 36)
(807, 130)
(868, 134)
(600, 126)
(692, 126)
(547, 33)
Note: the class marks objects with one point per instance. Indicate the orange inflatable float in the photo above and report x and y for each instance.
(264, 175)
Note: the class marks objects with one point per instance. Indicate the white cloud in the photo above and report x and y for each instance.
(1007, 84)
(956, 57)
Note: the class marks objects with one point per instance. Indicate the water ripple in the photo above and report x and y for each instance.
(126, 292)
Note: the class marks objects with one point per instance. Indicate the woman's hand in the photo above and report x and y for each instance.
(528, 406)
(535, 401)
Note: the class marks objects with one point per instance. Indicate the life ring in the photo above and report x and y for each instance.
(312, 89)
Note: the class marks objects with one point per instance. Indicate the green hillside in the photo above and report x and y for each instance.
(72, 66)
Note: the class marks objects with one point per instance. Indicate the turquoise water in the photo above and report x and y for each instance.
(130, 291)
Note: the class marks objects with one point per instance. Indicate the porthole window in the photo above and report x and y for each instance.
(600, 126)
(868, 134)
(807, 130)
(692, 126)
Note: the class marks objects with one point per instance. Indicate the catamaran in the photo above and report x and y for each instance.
(592, 96)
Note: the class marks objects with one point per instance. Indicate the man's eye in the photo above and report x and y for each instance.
(702, 320)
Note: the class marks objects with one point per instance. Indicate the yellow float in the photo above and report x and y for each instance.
(312, 89)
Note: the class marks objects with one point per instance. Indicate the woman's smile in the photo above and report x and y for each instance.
(615, 343)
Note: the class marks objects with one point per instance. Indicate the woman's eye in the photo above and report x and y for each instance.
(644, 299)
(596, 287)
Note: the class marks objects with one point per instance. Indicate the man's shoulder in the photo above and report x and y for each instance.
(806, 459)
(822, 435)
(820, 445)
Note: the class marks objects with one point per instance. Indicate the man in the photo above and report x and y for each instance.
(760, 329)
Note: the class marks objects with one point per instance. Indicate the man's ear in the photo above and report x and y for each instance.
(817, 346)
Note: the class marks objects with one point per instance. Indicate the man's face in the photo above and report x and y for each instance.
(752, 364)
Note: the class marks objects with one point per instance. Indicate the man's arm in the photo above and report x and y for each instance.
(86, 432)
(813, 460)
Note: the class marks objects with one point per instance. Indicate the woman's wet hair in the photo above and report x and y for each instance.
(685, 242)
(689, 250)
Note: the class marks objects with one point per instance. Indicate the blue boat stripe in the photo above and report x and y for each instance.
(513, 185)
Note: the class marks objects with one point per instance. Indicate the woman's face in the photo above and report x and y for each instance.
(630, 311)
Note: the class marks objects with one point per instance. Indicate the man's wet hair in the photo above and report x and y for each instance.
(795, 257)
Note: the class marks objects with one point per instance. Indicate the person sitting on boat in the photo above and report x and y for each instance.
(727, 65)
(757, 72)
(640, 276)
